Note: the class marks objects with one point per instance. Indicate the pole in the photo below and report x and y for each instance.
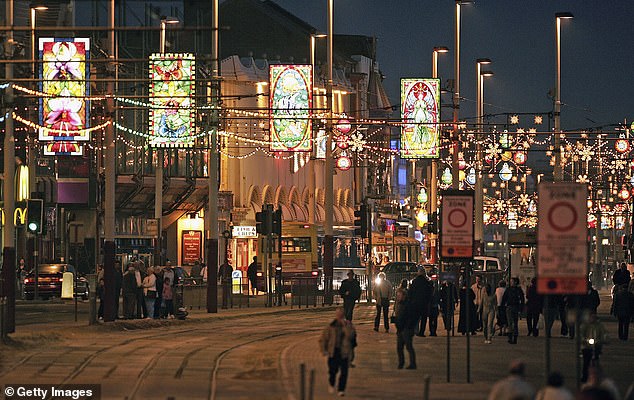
(368, 251)
(448, 327)
(548, 319)
(558, 170)
(433, 185)
(311, 170)
(456, 102)
(468, 320)
(329, 169)
(212, 219)
(32, 149)
(158, 175)
(109, 207)
(8, 266)
(479, 198)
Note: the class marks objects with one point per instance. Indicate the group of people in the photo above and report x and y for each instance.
(148, 292)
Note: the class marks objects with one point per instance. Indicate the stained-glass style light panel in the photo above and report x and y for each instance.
(63, 77)
(290, 103)
(420, 112)
(63, 148)
(172, 90)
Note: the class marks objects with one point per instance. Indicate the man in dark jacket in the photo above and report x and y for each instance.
(252, 274)
(129, 292)
(350, 292)
(623, 309)
(118, 281)
(406, 324)
(621, 276)
(513, 299)
(419, 294)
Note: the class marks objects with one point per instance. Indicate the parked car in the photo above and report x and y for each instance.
(49, 282)
(399, 270)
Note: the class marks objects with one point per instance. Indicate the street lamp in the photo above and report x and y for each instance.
(433, 181)
(34, 8)
(160, 156)
(479, 196)
(558, 172)
(311, 173)
(329, 165)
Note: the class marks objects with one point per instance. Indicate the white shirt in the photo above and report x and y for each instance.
(512, 387)
(554, 393)
(499, 292)
(149, 283)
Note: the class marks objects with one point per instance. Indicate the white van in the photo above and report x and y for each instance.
(486, 264)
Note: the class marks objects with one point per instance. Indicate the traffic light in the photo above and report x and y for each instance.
(361, 221)
(35, 215)
(263, 221)
(432, 223)
(276, 226)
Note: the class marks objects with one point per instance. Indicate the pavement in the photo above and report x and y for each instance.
(256, 353)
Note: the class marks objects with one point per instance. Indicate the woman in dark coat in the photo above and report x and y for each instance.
(623, 309)
(534, 306)
(462, 321)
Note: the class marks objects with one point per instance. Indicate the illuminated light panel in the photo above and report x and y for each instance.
(63, 79)
(63, 148)
(420, 112)
(290, 106)
(172, 91)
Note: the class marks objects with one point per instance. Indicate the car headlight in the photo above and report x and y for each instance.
(377, 280)
(591, 341)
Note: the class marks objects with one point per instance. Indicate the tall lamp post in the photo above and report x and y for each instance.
(311, 172)
(329, 166)
(433, 185)
(160, 158)
(479, 197)
(558, 172)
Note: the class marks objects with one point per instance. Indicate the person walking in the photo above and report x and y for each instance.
(551, 308)
(168, 298)
(406, 320)
(350, 292)
(419, 294)
(467, 303)
(336, 343)
(534, 306)
(140, 274)
(513, 300)
(514, 386)
(382, 292)
(593, 336)
(434, 309)
(478, 290)
(129, 286)
(101, 296)
(623, 310)
(158, 301)
(252, 274)
(554, 389)
(591, 300)
(621, 276)
(21, 276)
(448, 300)
(501, 309)
(118, 282)
(488, 309)
(149, 292)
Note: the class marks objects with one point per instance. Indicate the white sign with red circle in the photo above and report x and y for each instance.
(456, 233)
(562, 238)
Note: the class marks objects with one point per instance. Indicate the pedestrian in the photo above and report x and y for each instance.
(149, 292)
(196, 268)
(129, 286)
(593, 337)
(118, 281)
(551, 308)
(434, 310)
(158, 301)
(467, 305)
(488, 309)
(350, 292)
(21, 276)
(598, 381)
(382, 293)
(554, 389)
(590, 301)
(501, 309)
(621, 276)
(623, 310)
(336, 342)
(513, 299)
(140, 274)
(419, 294)
(402, 287)
(572, 306)
(252, 274)
(514, 386)
(169, 273)
(168, 298)
(406, 321)
(224, 273)
(101, 296)
(203, 274)
(534, 306)
(448, 300)
(478, 289)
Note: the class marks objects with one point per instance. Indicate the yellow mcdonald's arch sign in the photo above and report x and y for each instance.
(19, 216)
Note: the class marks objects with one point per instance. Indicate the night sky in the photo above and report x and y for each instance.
(518, 36)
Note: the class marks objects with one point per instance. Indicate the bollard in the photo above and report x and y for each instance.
(302, 381)
(311, 384)
(426, 387)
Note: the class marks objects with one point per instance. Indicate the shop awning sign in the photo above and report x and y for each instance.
(244, 232)
(562, 260)
(456, 233)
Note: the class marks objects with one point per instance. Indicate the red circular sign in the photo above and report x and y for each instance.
(562, 216)
(457, 218)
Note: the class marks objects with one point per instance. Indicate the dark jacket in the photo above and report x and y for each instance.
(129, 282)
(252, 271)
(350, 289)
(534, 301)
(513, 297)
(420, 291)
(591, 301)
(621, 277)
(448, 298)
(406, 316)
(623, 304)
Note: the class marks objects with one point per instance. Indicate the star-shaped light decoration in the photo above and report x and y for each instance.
(586, 153)
(494, 150)
(356, 142)
(582, 178)
(500, 205)
(538, 120)
(619, 164)
(515, 119)
(532, 130)
(520, 130)
(523, 200)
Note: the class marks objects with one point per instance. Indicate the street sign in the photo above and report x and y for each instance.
(456, 224)
(562, 259)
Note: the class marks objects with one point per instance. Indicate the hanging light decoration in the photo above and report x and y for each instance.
(342, 141)
(506, 156)
(446, 177)
(505, 141)
(422, 196)
(471, 177)
(344, 163)
(624, 194)
(421, 217)
(506, 173)
(343, 125)
(622, 145)
(519, 158)
(461, 162)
